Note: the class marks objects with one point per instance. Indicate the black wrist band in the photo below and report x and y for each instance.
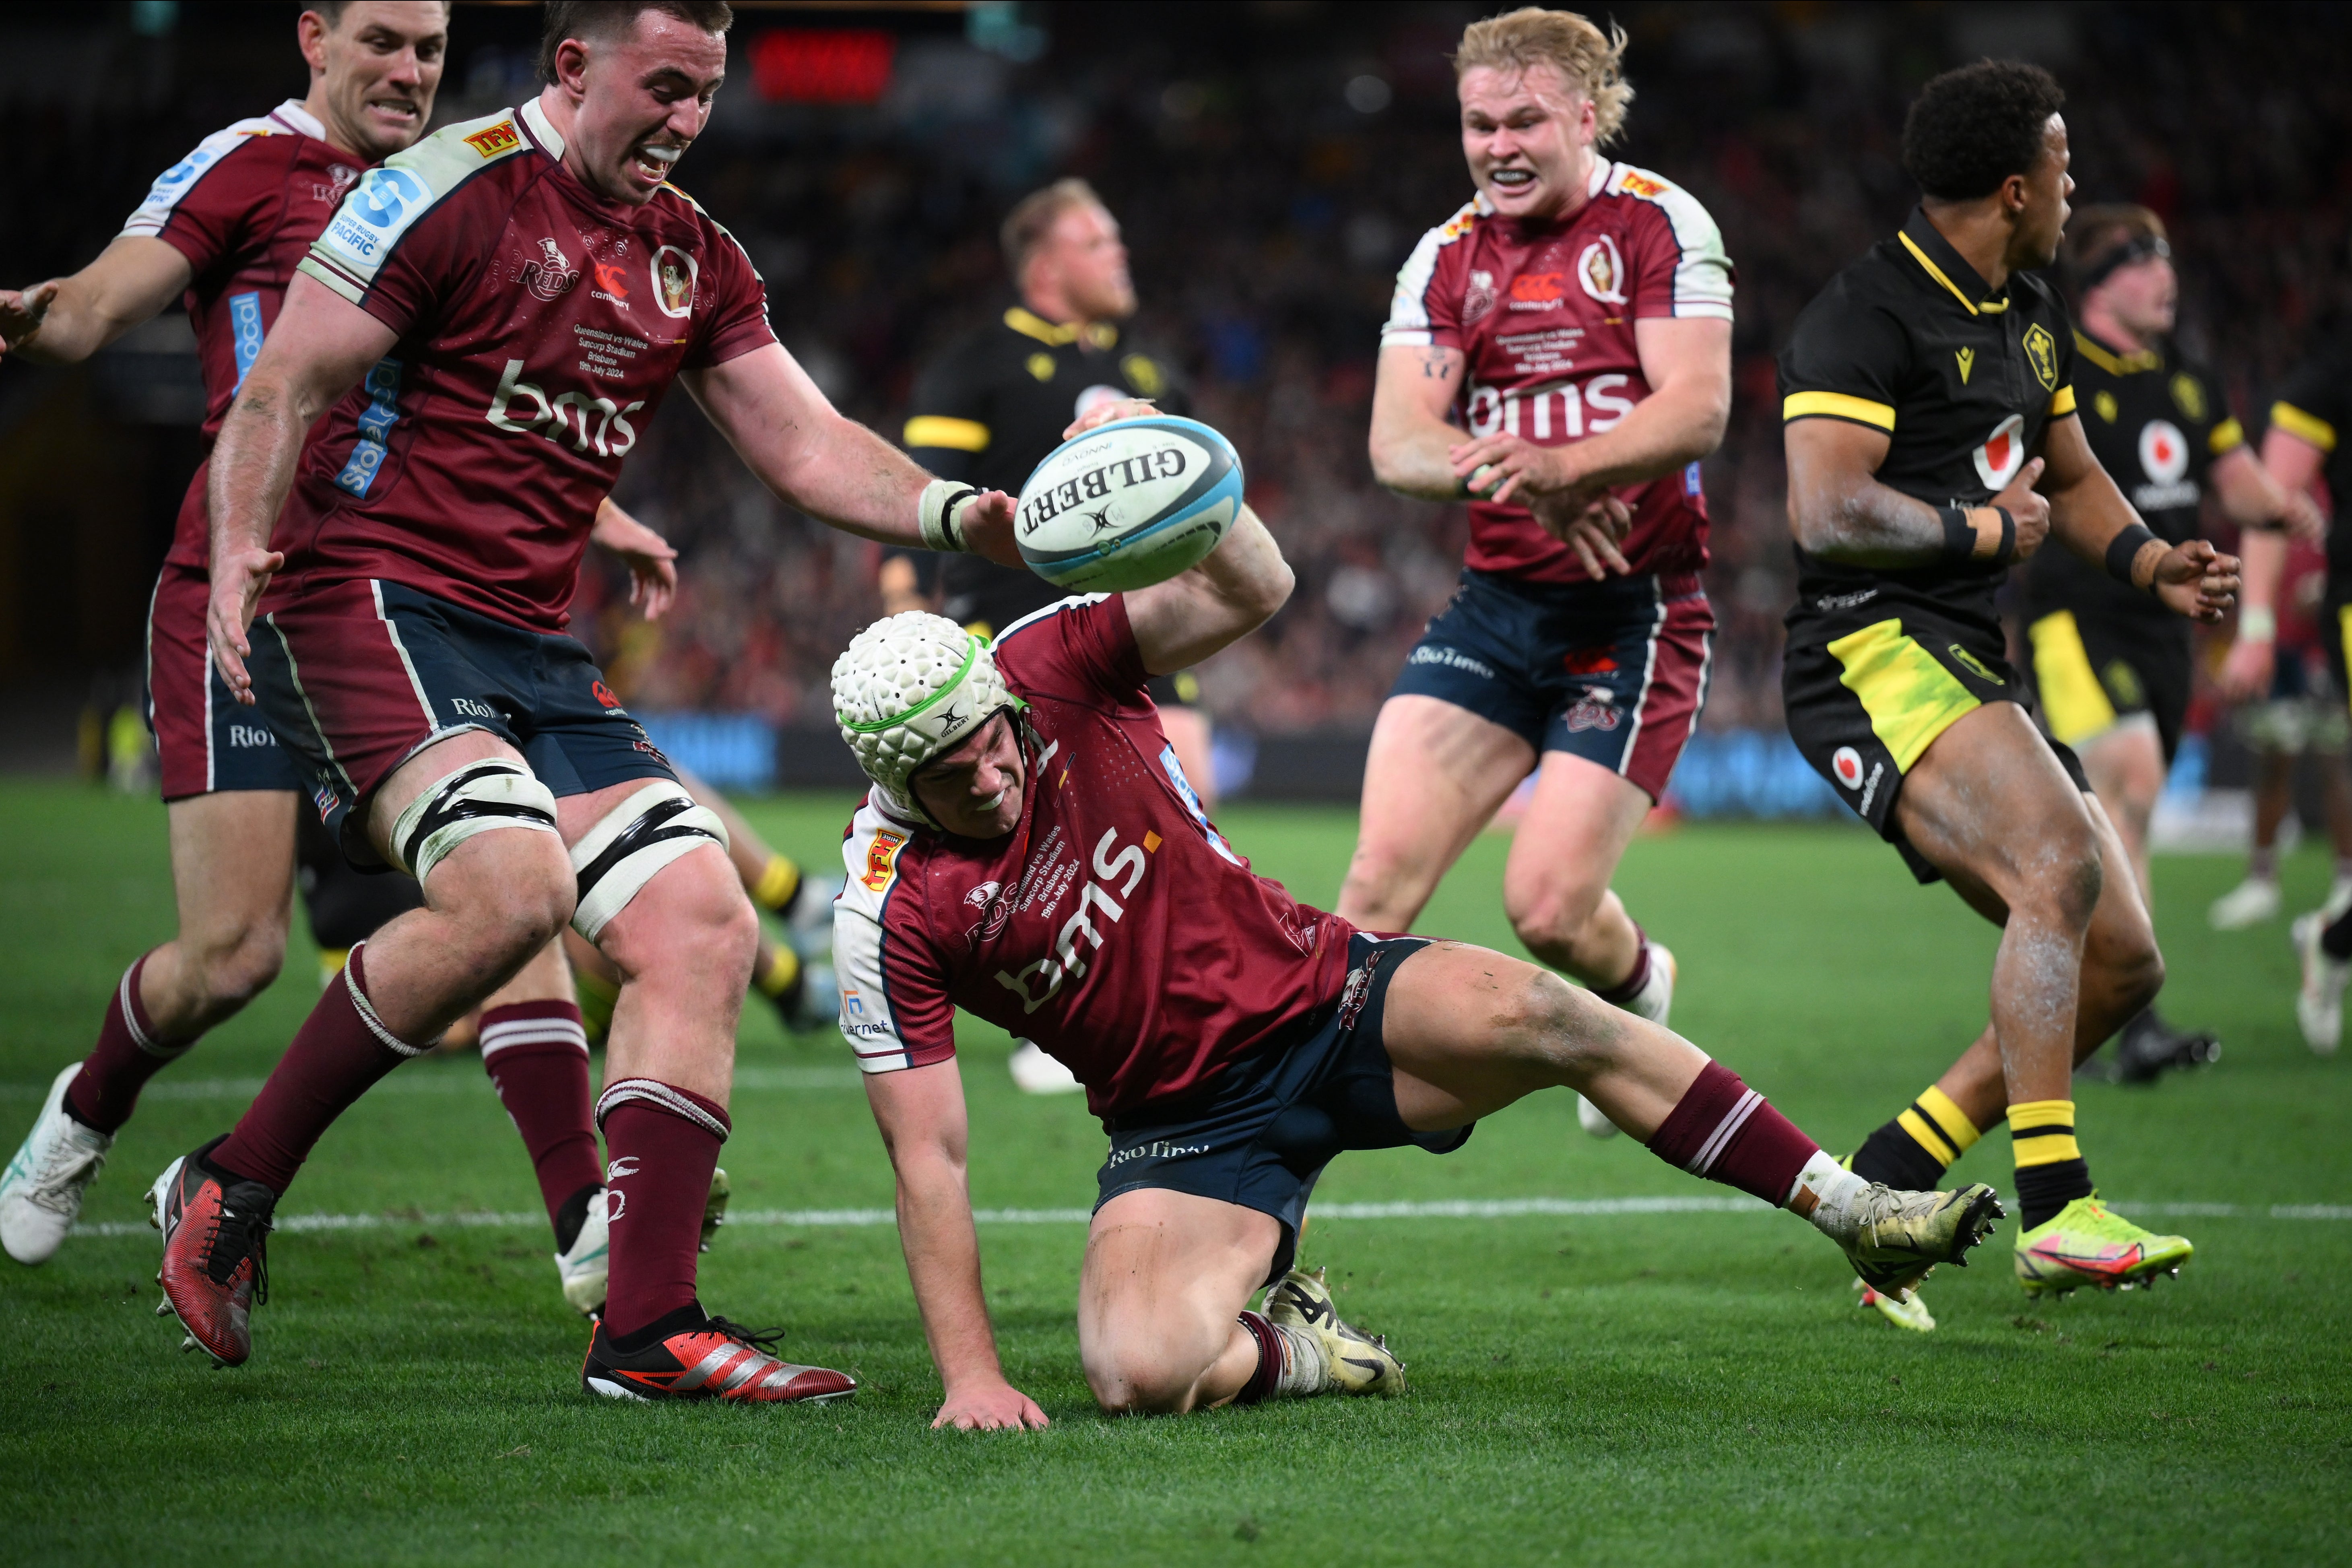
(2123, 549)
(2008, 550)
(1959, 534)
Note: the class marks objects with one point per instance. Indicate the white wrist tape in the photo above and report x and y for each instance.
(939, 513)
(2256, 623)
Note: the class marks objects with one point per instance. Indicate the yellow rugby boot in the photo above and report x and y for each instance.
(1907, 1310)
(1899, 1236)
(2086, 1243)
(1353, 1361)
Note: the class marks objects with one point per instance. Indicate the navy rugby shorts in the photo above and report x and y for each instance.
(205, 743)
(1614, 672)
(1264, 1129)
(357, 677)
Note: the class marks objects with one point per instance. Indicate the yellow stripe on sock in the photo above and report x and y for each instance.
(1926, 1137)
(1950, 1118)
(779, 880)
(2028, 1114)
(2047, 1150)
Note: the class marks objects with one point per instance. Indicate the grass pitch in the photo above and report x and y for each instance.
(1663, 1387)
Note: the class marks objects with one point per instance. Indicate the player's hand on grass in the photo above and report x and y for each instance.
(1102, 414)
(2197, 580)
(987, 524)
(1592, 526)
(21, 310)
(651, 559)
(1515, 468)
(2029, 507)
(2246, 672)
(237, 582)
(996, 1406)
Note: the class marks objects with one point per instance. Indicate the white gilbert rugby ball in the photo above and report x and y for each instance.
(1129, 505)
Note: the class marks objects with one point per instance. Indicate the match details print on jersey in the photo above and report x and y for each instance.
(1544, 316)
(540, 328)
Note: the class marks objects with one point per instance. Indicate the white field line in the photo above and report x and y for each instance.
(443, 1082)
(1456, 1208)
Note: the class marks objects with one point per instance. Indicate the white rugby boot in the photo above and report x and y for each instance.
(1038, 1073)
(2250, 903)
(584, 1266)
(41, 1191)
(2319, 1005)
(1655, 1001)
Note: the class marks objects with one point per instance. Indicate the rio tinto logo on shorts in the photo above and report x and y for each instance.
(2003, 452)
(1846, 763)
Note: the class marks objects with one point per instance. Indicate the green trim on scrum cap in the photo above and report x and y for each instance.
(971, 646)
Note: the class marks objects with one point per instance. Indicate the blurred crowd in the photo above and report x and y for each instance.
(1272, 163)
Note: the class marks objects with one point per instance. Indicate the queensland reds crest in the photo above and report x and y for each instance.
(1601, 270)
(2003, 452)
(674, 277)
(2163, 451)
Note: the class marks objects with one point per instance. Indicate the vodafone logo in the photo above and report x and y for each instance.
(2003, 452)
(1846, 763)
(2163, 451)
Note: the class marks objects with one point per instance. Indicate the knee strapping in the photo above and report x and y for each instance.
(477, 799)
(640, 836)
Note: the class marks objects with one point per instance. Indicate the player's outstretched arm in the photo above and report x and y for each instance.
(1235, 590)
(832, 467)
(2252, 498)
(1411, 443)
(921, 1114)
(2091, 517)
(1839, 511)
(67, 319)
(321, 348)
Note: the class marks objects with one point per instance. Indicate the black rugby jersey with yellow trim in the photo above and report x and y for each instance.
(2315, 405)
(1963, 380)
(989, 408)
(2155, 422)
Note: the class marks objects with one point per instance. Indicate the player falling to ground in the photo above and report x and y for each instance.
(2111, 664)
(1027, 855)
(1933, 439)
(2304, 444)
(2279, 671)
(484, 329)
(993, 404)
(1576, 317)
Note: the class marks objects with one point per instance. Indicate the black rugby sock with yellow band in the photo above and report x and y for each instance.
(2050, 1170)
(777, 885)
(1915, 1150)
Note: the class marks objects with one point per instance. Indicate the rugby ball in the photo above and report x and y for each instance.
(1128, 504)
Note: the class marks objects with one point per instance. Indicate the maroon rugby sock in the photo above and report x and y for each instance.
(129, 1051)
(537, 1056)
(663, 1143)
(339, 1054)
(1626, 990)
(1726, 1131)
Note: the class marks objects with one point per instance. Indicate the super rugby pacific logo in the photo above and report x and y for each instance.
(1096, 483)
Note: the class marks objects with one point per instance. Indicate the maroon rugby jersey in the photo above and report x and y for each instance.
(540, 325)
(243, 208)
(1544, 315)
(1113, 925)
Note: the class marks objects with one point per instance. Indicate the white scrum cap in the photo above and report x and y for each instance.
(908, 688)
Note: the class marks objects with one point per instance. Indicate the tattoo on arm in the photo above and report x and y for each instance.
(1436, 363)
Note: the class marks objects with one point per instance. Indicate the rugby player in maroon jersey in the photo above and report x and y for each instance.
(1560, 352)
(1030, 852)
(484, 327)
(225, 228)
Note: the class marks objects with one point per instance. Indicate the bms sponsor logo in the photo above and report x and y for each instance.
(1115, 867)
(593, 423)
(1566, 410)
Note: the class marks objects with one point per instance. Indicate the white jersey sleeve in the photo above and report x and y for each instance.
(174, 184)
(1702, 272)
(894, 1008)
